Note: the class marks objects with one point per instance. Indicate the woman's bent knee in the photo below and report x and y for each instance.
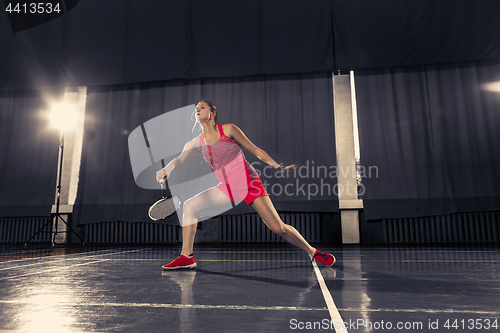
(189, 207)
(280, 230)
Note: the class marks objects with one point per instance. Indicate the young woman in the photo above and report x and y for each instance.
(220, 146)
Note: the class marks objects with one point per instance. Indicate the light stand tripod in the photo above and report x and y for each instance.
(55, 218)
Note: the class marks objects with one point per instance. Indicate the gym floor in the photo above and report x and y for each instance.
(250, 289)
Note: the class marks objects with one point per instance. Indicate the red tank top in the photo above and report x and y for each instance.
(226, 152)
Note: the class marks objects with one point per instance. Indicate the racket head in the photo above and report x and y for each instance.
(163, 208)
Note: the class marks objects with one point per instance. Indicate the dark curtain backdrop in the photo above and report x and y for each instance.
(289, 116)
(389, 33)
(117, 42)
(28, 153)
(433, 133)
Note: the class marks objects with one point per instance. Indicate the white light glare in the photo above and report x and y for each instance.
(493, 86)
(63, 116)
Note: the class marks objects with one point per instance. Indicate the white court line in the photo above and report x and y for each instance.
(80, 256)
(45, 257)
(51, 270)
(332, 308)
(171, 306)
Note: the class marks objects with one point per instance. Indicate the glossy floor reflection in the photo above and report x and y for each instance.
(249, 289)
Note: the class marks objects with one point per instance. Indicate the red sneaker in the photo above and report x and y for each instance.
(324, 258)
(181, 262)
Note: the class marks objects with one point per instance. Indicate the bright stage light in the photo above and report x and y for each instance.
(493, 86)
(63, 116)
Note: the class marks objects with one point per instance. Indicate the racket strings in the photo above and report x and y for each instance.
(163, 209)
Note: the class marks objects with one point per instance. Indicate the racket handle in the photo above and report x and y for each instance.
(161, 185)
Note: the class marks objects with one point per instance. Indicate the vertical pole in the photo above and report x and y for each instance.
(71, 141)
(346, 159)
(58, 189)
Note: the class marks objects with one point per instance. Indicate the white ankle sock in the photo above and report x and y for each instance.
(311, 255)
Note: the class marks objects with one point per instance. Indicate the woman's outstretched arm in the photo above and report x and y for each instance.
(236, 133)
(189, 149)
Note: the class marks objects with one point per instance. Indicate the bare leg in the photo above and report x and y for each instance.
(209, 199)
(188, 234)
(268, 213)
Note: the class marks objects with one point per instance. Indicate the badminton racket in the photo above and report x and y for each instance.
(164, 207)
